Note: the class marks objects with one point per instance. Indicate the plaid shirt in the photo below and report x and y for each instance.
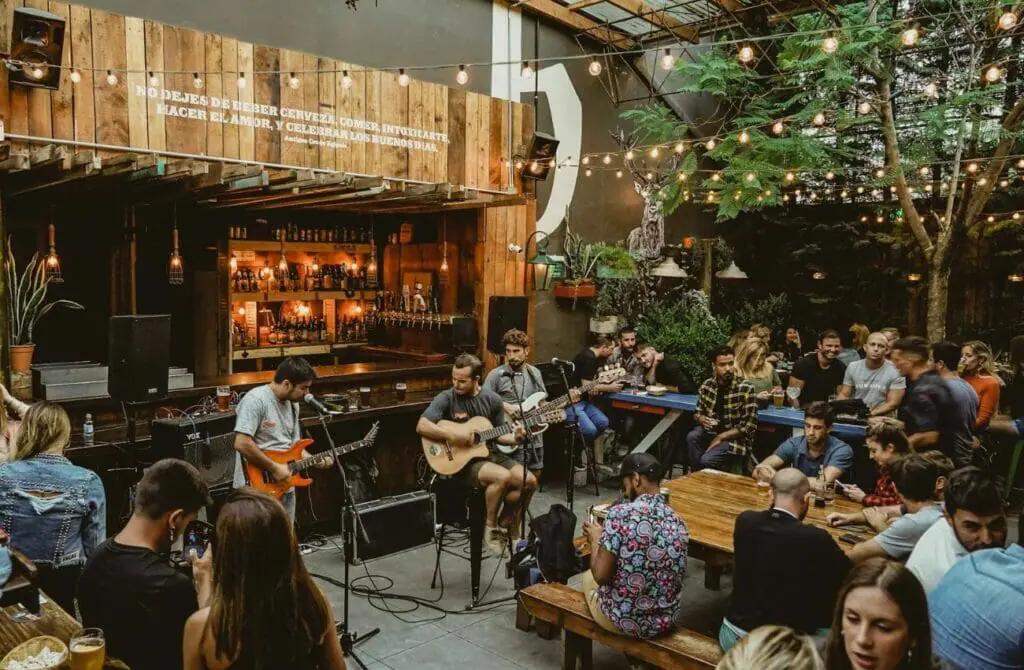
(739, 407)
(885, 491)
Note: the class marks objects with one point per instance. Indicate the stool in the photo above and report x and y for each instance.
(458, 506)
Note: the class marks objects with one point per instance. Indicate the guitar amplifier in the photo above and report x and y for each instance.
(207, 441)
(394, 524)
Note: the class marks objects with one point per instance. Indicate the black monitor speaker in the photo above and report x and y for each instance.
(504, 313)
(140, 356)
(37, 47)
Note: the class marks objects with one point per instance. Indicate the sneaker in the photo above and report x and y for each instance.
(494, 542)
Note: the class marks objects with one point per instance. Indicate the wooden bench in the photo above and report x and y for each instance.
(565, 607)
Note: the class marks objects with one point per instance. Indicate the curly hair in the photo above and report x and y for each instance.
(516, 338)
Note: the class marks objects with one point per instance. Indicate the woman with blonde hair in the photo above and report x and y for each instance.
(978, 368)
(738, 338)
(773, 648)
(54, 511)
(8, 426)
(752, 365)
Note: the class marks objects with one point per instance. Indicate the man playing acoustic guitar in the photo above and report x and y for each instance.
(499, 474)
(267, 419)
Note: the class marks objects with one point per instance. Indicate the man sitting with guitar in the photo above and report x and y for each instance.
(268, 420)
(446, 443)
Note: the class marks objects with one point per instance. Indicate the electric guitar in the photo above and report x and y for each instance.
(448, 458)
(262, 480)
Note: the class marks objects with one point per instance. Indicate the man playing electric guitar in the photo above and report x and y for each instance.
(268, 420)
(499, 474)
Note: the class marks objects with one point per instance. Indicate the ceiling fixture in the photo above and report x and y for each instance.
(732, 272)
(668, 267)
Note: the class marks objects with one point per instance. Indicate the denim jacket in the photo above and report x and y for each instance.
(53, 511)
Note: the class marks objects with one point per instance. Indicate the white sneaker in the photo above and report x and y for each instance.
(494, 542)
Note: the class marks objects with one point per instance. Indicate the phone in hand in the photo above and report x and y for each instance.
(198, 535)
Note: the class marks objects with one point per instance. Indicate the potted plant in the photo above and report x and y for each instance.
(27, 304)
(615, 262)
(580, 264)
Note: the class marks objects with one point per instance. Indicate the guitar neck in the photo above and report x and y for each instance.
(559, 402)
(313, 461)
(506, 428)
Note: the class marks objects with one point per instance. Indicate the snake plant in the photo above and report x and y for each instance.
(27, 297)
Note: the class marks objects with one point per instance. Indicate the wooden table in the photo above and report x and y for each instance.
(710, 500)
(52, 621)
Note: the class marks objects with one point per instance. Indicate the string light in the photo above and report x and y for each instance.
(778, 128)
(682, 176)
(649, 176)
(710, 144)
(629, 155)
(595, 68)
(744, 137)
(527, 72)
(654, 152)
(879, 173)
(668, 60)
(1004, 183)
(830, 45)
(586, 160)
(588, 172)
(860, 189)
(931, 90)
(233, 263)
(991, 219)
(928, 188)
(983, 181)
(618, 174)
(830, 175)
(293, 81)
(844, 194)
(926, 172)
(242, 81)
(346, 79)
(864, 107)
(880, 219)
(153, 80)
(1020, 164)
(972, 167)
(746, 54)
(111, 78)
(403, 78)
(680, 147)
(910, 36)
(197, 81)
(1016, 216)
(751, 176)
(819, 119)
(607, 159)
(461, 77)
(282, 265)
(790, 176)
(716, 177)
(993, 74)
(863, 219)
(76, 76)
(1008, 20)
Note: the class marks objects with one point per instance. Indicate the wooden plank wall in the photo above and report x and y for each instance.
(483, 131)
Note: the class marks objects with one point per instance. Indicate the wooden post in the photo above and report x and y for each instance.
(706, 248)
(5, 350)
(132, 258)
(576, 651)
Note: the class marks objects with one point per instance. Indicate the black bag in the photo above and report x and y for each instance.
(550, 543)
(850, 410)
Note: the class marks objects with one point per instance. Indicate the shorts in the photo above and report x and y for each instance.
(534, 457)
(470, 475)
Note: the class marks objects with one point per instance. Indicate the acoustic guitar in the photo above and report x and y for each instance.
(448, 458)
(262, 480)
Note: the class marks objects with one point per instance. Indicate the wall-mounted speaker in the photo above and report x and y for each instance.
(540, 159)
(37, 47)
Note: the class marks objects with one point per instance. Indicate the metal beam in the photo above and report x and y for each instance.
(561, 15)
(659, 18)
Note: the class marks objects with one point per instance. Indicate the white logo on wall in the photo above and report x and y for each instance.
(295, 125)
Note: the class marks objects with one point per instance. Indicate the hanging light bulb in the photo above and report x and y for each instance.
(682, 176)
(1016, 216)
(153, 80)
(680, 147)
(233, 263)
(527, 71)
(926, 172)
(863, 219)
(595, 68)
(819, 119)
(197, 81)
(931, 90)
(293, 81)
(844, 194)
(879, 173)
(928, 188)
(241, 311)
(864, 107)
(282, 265)
(744, 137)
(790, 176)
(892, 189)
(519, 164)
(668, 60)
(618, 174)
(607, 159)
(710, 144)
(316, 263)
(880, 219)
(1008, 20)
(830, 45)
(991, 219)
(993, 74)
(629, 155)
(535, 167)
(830, 175)
(654, 152)
(751, 176)
(1004, 183)
(586, 160)
(972, 167)
(176, 267)
(983, 181)
(910, 36)
(860, 190)
(111, 78)
(716, 177)
(442, 271)
(403, 78)
(242, 81)
(746, 54)
(461, 77)
(588, 172)
(346, 79)
(52, 260)
(1020, 164)
(76, 76)
(778, 128)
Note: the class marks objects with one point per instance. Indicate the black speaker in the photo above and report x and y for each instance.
(464, 334)
(140, 355)
(37, 46)
(504, 313)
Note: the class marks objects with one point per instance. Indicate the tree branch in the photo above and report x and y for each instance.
(982, 194)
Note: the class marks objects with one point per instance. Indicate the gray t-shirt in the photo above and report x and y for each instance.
(966, 401)
(872, 386)
(899, 539)
(271, 423)
(450, 406)
(527, 382)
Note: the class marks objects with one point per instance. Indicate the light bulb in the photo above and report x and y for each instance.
(234, 263)
(346, 79)
(746, 54)
(863, 219)
(282, 265)
(892, 189)
(1008, 20)
(649, 176)
(535, 167)
(111, 78)
(654, 152)
(153, 80)
(461, 77)
(910, 36)
(819, 119)
(880, 219)
(864, 107)
(1016, 216)
(844, 194)
(519, 165)
(926, 172)
(595, 68)
(830, 45)
(682, 176)
(668, 60)
(241, 311)
(680, 147)
(830, 175)
(76, 76)
(778, 128)
(618, 174)
(991, 219)
(751, 176)
(242, 81)
(629, 155)
(931, 90)
(1020, 164)
(586, 160)
(993, 74)
(928, 188)
(588, 172)
(790, 176)
(744, 137)
(197, 81)
(768, 194)
(710, 144)
(37, 72)
(860, 190)
(293, 81)
(527, 72)
(175, 260)
(879, 173)
(607, 159)
(716, 177)
(983, 181)
(1004, 183)
(403, 78)
(316, 265)
(972, 167)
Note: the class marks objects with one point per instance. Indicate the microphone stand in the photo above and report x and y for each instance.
(348, 638)
(570, 484)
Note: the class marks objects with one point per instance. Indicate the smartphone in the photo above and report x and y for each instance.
(198, 536)
(839, 487)
(851, 538)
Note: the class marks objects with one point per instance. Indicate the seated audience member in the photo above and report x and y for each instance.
(977, 609)
(726, 414)
(659, 368)
(853, 344)
(974, 519)
(945, 358)
(761, 332)
(638, 558)
(977, 368)
(260, 582)
(814, 451)
(8, 426)
(928, 412)
(591, 419)
(128, 587)
(891, 336)
(886, 442)
(917, 480)
(881, 621)
(874, 380)
(626, 355)
(785, 572)
(793, 349)
(818, 375)
(753, 367)
(773, 648)
(55, 512)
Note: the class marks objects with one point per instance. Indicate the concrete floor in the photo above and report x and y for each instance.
(483, 638)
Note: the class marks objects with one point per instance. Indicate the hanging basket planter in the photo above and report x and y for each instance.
(575, 290)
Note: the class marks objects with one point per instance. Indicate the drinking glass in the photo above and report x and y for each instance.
(223, 398)
(763, 488)
(88, 650)
(364, 396)
(779, 399)
(829, 493)
(400, 388)
(793, 392)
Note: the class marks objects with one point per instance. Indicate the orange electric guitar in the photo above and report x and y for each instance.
(259, 478)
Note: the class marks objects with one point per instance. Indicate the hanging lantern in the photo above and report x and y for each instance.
(176, 267)
(52, 260)
(442, 272)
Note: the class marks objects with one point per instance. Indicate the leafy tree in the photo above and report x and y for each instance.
(914, 107)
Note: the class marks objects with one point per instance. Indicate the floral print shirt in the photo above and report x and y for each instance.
(649, 542)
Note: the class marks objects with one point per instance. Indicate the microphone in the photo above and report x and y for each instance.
(316, 404)
(509, 374)
(564, 364)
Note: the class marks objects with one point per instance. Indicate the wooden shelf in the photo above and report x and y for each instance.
(316, 247)
(249, 296)
(280, 351)
(286, 296)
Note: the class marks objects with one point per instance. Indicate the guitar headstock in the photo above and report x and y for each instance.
(553, 416)
(372, 435)
(610, 374)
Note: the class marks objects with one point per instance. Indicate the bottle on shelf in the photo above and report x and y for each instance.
(88, 430)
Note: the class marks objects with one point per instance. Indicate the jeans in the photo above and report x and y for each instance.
(591, 419)
(700, 456)
(288, 500)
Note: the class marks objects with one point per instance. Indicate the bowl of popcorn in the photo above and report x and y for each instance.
(39, 653)
(657, 389)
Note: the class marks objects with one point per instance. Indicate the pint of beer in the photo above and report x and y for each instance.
(223, 398)
(88, 650)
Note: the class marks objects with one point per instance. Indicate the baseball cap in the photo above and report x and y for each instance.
(640, 464)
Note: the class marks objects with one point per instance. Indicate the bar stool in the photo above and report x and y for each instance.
(456, 507)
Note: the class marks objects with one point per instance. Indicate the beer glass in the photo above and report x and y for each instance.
(88, 650)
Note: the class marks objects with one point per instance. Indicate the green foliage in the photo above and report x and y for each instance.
(685, 329)
(773, 311)
(614, 259)
(580, 259)
(27, 297)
